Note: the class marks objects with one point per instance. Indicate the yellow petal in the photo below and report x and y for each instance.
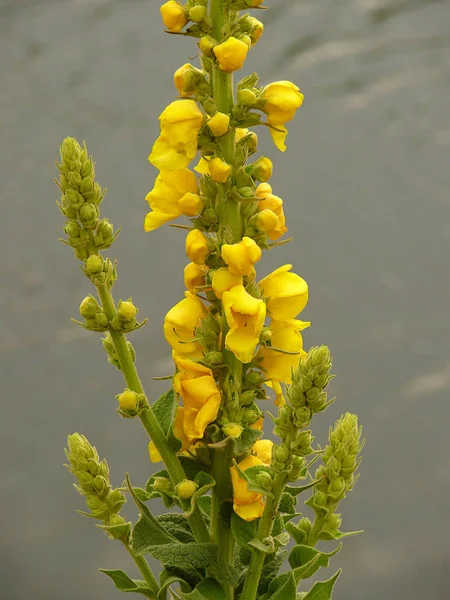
(249, 512)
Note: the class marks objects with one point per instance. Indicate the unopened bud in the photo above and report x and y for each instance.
(89, 307)
(126, 311)
(207, 43)
(219, 124)
(246, 97)
(94, 264)
(232, 430)
(186, 489)
(128, 400)
(264, 480)
(197, 13)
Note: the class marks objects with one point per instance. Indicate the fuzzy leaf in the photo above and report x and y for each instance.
(322, 590)
(167, 579)
(287, 503)
(165, 409)
(243, 531)
(272, 565)
(204, 504)
(177, 525)
(306, 560)
(246, 440)
(208, 589)
(185, 556)
(327, 536)
(282, 588)
(125, 584)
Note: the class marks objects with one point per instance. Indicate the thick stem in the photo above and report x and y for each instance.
(264, 530)
(145, 570)
(223, 94)
(148, 419)
(222, 492)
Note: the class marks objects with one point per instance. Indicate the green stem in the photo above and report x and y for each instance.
(223, 94)
(264, 530)
(314, 534)
(222, 492)
(145, 570)
(147, 416)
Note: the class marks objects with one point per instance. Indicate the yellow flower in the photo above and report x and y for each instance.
(203, 166)
(286, 293)
(245, 317)
(174, 16)
(231, 54)
(201, 397)
(178, 429)
(181, 122)
(248, 505)
(128, 400)
(166, 197)
(283, 99)
(263, 450)
(219, 124)
(219, 170)
(285, 336)
(180, 324)
(279, 135)
(275, 204)
(206, 44)
(223, 281)
(185, 79)
(279, 397)
(197, 248)
(241, 257)
(232, 430)
(194, 276)
(191, 204)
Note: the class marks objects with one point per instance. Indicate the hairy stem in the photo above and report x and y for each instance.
(264, 530)
(145, 570)
(147, 416)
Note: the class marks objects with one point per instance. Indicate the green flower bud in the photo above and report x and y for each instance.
(214, 358)
(186, 489)
(331, 526)
(281, 453)
(246, 192)
(74, 179)
(197, 13)
(128, 400)
(86, 185)
(101, 486)
(106, 230)
(336, 489)
(126, 311)
(87, 169)
(232, 430)
(74, 198)
(302, 416)
(72, 229)
(305, 525)
(210, 106)
(209, 216)
(162, 484)
(102, 320)
(264, 480)
(253, 379)
(94, 264)
(320, 498)
(302, 445)
(246, 97)
(266, 335)
(245, 399)
(89, 307)
(88, 214)
(95, 504)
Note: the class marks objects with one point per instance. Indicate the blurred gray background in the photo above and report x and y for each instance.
(367, 191)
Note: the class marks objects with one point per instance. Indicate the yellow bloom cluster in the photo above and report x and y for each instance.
(228, 325)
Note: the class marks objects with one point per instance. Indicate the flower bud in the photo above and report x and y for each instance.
(94, 264)
(219, 124)
(249, 415)
(88, 214)
(256, 29)
(252, 379)
(128, 400)
(232, 430)
(219, 170)
(186, 489)
(197, 248)
(89, 307)
(247, 40)
(336, 489)
(281, 453)
(188, 79)
(126, 311)
(72, 229)
(214, 358)
(191, 204)
(264, 480)
(174, 16)
(231, 54)
(101, 486)
(197, 13)
(246, 97)
(162, 484)
(207, 43)
(102, 320)
(320, 498)
(303, 416)
(263, 169)
(266, 221)
(74, 198)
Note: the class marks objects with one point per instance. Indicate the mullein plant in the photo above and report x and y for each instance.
(236, 344)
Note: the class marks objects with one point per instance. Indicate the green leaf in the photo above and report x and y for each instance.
(147, 531)
(204, 504)
(327, 536)
(262, 547)
(243, 531)
(185, 556)
(117, 532)
(272, 565)
(246, 440)
(250, 476)
(282, 588)
(306, 560)
(295, 491)
(322, 590)
(165, 410)
(177, 525)
(167, 579)
(287, 503)
(125, 584)
(208, 589)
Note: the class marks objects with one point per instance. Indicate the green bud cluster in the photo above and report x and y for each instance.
(125, 319)
(100, 270)
(340, 461)
(93, 314)
(93, 479)
(113, 358)
(306, 393)
(80, 202)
